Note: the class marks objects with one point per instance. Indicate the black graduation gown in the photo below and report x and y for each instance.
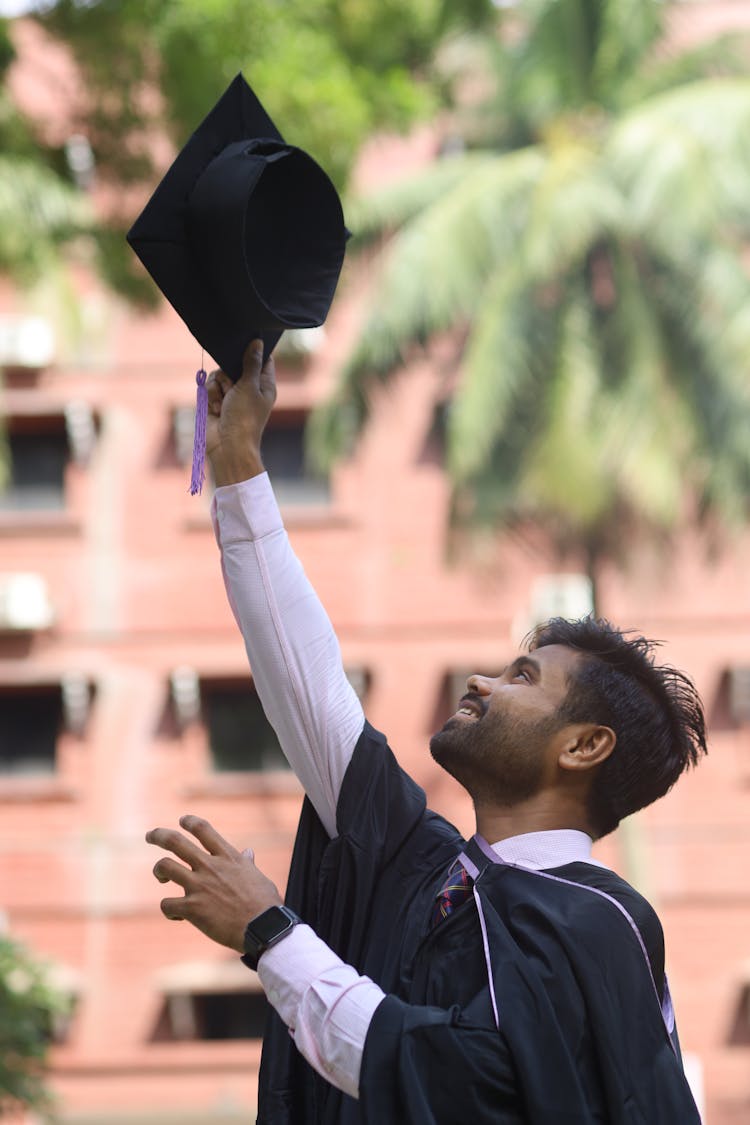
(577, 1036)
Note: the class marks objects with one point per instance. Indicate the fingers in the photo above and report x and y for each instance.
(212, 841)
(262, 375)
(167, 870)
(173, 841)
(252, 360)
(217, 385)
(267, 380)
(173, 908)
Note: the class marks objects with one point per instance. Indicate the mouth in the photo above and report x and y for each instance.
(472, 708)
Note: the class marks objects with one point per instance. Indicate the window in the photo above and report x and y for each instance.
(739, 1028)
(212, 1015)
(30, 724)
(239, 734)
(283, 452)
(32, 719)
(436, 439)
(730, 708)
(38, 453)
(210, 1000)
(42, 440)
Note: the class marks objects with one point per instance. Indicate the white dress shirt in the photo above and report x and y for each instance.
(296, 664)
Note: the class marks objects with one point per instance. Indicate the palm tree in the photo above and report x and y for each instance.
(40, 210)
(591, 264)
(39, 214)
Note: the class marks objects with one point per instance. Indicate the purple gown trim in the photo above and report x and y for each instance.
(665, 1005)
(473, 872)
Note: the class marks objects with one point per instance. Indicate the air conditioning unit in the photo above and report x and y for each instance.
(186, 694)
(554, 595)
(561, 595)
(24, 602)
(26, 341)
(739, 693)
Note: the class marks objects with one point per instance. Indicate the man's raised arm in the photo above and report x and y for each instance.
(293, 652)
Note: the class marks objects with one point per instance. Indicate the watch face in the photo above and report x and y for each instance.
(270, 924)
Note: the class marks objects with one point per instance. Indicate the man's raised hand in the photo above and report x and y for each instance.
(237, 416)
(223, 887)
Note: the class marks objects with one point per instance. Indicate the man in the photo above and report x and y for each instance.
(524, 983)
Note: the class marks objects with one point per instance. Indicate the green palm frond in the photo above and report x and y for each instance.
(386, 210)
(562, 467)
(573, 206)
(455, 244)
(596, 278)
(708, 313)
(572, 54)
(497, 369)
(669, 68)
(646, 429)
(38, 213)
(682, 160)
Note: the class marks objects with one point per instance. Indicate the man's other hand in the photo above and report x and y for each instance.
(223, 887)
(237, 415)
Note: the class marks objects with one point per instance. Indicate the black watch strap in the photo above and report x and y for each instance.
(265, 930)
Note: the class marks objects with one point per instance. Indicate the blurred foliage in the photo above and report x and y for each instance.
(28, 1009)
(40, 210)
(39, 213)
(328, 71)
(7, 50)
(583, 240)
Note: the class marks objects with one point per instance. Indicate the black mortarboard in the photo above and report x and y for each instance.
(245, 234)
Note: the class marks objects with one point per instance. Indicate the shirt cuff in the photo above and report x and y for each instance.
(287, 969)
(247, 510)
(324, 1002)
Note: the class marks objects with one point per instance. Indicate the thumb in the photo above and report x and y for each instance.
(258, 378)
(252, 361)
(267, 382)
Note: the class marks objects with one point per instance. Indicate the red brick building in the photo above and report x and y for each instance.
(121, 669)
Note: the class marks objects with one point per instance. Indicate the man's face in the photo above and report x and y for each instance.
(500, 744)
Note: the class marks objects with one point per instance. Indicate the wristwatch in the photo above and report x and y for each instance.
(265, 930)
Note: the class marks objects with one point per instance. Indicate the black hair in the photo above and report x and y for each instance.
(654, 710)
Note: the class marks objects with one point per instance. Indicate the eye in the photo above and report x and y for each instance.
(522, 674)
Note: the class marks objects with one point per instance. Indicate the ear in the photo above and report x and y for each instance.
(587, 746)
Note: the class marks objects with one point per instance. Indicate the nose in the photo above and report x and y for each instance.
(479, 685)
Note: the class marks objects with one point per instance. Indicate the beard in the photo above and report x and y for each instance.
(497, 758)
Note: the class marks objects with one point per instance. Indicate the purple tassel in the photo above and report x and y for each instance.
(199, 442)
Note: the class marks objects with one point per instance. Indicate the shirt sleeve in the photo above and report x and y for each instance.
(325, 1003)
(293, 651)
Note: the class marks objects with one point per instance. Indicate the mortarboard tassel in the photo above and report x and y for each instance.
(199, 441)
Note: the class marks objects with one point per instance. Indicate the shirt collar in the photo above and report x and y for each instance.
(538, 851)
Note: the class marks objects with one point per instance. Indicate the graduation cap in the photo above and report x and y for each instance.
(244, 235)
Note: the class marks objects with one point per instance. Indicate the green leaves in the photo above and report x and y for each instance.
(38, 213)
(28, 1006)
(328, 71)
(597, 279)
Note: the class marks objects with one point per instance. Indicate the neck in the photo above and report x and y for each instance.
(540, 813)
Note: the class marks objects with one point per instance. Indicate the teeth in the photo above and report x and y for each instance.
(465, 711)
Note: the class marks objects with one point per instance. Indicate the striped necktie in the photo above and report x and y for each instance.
(454, 891)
